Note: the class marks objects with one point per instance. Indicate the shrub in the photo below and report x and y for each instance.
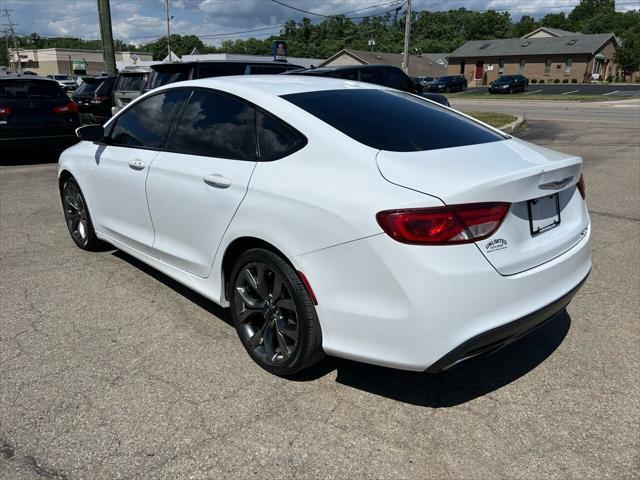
(557, 80)
(542, 81)
(609, 79)
(484, 78)
(533, 81)
(574, 80)
(565, 80)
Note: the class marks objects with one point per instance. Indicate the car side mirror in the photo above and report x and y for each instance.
(90, 133)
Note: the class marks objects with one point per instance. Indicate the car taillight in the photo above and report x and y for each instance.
(68, 108)
(581, 187)
(5, 111)
(449, 225)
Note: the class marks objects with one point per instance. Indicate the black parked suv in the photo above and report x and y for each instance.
(35, 111)
(450, 83)
(509, 84)
(94, 99)
(386, 75)
(165, 73)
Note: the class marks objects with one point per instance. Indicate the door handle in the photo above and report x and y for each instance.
(217, 180)
(136, 164)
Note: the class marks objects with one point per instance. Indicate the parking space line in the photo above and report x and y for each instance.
(529, 93)
(611, 93)
(572, 91)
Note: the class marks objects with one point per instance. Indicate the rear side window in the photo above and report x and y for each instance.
(206, 70)
(31, 89)
(216, 125)
(145, 124)
(372, 75)
(275, 139)
(392, 120)
(159, 78)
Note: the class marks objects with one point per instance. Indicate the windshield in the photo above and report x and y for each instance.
(129, 83)
(61, 77)
(392, 120)
(15, 89)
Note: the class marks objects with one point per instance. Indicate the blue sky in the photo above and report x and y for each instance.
(143, 20)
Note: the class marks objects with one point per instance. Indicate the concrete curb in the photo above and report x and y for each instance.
(510, 127)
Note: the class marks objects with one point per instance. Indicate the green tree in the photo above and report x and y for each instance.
(526, 24)
(628, 55)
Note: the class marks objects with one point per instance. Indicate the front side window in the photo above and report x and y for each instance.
(216, 125)
(275, 139)
(145, 124)
(392, 120)
(396, 79)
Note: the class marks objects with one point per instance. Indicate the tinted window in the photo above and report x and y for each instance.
(345, 74)
(145, 124)
(392, 120)
(216, 125)
(206, 70)
(159, 78)
(372, 75)
(88, 87)
(129, 83)
(268, 69)
(106, 87)
(30, 89)
(397, 79)
(275, 139)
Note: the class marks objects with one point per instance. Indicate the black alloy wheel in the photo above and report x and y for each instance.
(77, 216)
(273, 313)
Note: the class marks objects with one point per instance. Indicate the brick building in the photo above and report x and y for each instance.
(544, 54)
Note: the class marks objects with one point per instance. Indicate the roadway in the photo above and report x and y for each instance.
(607, 90)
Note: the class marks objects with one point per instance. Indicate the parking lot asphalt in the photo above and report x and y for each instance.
(109, 369)
(605, 90)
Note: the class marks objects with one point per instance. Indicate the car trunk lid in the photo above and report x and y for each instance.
(525, 175)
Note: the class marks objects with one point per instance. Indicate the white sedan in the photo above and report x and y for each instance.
(335, 217)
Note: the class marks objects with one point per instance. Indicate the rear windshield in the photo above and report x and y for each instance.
(392, 120)
(61, 77)
(20, 88)
(129, 83)
(88, 86)
(160, 78)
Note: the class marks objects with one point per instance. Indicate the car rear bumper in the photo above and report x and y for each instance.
(416, 308)
(493, 340)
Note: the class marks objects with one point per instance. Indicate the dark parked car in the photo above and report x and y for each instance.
(450, 83)
(386, 75)
(165, 73)
(94, 99)
(509, 84)
(35, 111)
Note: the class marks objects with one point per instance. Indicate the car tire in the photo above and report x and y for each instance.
(77, 217)
(273, 313)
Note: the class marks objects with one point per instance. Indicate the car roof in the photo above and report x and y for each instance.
(27, 77)
(337, 68)
(276, 85)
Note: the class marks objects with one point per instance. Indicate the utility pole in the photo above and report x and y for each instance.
(108, 50)
(407, 36)
(166, 9)
(13, 36)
